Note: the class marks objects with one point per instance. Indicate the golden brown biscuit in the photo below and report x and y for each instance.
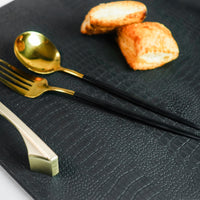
(108, 16)
(147, 45)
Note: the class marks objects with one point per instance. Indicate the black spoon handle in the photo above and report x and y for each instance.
(135, 100)
(134, 116)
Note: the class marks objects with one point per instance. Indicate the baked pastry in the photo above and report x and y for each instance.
(108, 16)
(147, 45)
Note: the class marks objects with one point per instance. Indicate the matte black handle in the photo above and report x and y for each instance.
(139, 102)
(134, 116)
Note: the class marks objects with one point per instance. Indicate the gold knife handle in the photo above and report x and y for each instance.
(41, 157)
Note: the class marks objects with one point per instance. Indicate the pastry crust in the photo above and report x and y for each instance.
(147, 45)
(107, 16)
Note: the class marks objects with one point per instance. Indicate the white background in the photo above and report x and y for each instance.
(4, 2)
(9, 188)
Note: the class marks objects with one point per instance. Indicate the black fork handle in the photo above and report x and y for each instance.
(139, 102)
(134, 116)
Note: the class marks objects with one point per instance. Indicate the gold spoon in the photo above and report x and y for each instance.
(39, 55)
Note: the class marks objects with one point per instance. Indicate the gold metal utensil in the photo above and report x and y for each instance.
(39, 54)
(32, 86)
(41, 158)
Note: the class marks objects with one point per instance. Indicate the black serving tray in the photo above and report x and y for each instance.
(102, 155)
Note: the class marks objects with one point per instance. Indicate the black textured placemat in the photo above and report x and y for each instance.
(102, 155)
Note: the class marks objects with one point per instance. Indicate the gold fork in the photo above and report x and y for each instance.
(32, 86)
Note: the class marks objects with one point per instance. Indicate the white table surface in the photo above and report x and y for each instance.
(9, 188)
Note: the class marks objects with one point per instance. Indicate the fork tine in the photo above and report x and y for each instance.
(13, 86)
(27, 76)
(24, 77)
(20, 83)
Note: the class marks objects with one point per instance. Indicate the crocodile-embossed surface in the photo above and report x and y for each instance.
(102, 155)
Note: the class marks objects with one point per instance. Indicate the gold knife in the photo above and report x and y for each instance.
(41, 157)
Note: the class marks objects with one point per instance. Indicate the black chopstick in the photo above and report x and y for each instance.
(139, 102)
(137, 117)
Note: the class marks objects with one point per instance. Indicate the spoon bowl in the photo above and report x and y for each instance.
(37, 52)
